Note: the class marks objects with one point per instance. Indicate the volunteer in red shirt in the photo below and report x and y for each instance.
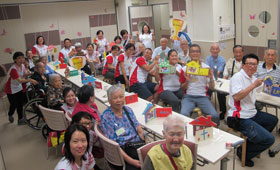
(124, 65)
(66, 51)
(111, 62)
(138, 77)
(170, 87)
(15, 87)
(40, 49)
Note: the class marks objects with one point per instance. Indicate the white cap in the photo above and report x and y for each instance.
(78, 44)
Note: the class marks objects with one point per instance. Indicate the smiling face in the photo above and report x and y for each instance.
(250, 66)
(41, 41)
(163, 43)
(174, 137)
(90, 49)
(20, 60)
(215, 50)
(129, 51)
(195, 53)
(173, 58)
(57, 83)
(148, 54)
(86, 123)
(67, 44)
(29, 54)
(184, 45)
(78, 144)
(100, 36)
(117, 100)
(145, 29)
(70, 98)
(238, 53)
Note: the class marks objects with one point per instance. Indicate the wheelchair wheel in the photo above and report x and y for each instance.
(30, 93)
(32, 113)
(45, 131)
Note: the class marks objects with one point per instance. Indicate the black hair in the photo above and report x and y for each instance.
(67, 138)
(37, 39)
(17, 54)
(26, 59)
(238, 46)
(66, 91)
(78, 116)
(66, 40)
(195, 45)
(114, 47)
(90, 44)
(99, 31)
(27, 51)
(169, 53)
(148, 49)
(128, 46)
(85, 92)
(123, 32)
(117, 37)
(251, 55)
(149, 30)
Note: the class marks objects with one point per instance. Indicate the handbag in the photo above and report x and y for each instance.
(130, 148)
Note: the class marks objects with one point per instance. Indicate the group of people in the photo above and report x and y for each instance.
(136, 68)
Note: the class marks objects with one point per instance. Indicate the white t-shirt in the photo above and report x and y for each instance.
(170, 81)
(87, 164)
(127, 63)
(147, 40)
(198, 85)
(12, 85)
(41, 50)
(244, 108)
(101, 45)
(65, 52)
(94, 56)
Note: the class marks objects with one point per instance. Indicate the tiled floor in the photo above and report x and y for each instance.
(25, 149)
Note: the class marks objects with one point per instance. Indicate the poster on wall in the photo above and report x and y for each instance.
(226, 32)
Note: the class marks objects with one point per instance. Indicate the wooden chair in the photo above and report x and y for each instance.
(55, 120)
(143, 151)
(244, 145)
(112, 150)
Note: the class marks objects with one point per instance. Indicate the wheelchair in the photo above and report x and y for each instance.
(31, 112)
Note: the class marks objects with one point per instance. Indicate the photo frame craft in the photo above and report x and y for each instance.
(77, 62)
(166, 68)
(149, 112)
(194, 68)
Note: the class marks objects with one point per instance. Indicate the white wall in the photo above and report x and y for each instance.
(122, 12)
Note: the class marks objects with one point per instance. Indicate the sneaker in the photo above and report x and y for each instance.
(11, 119)
(248, 162)
(21, 122)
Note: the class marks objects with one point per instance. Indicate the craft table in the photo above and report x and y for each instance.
(211, 150)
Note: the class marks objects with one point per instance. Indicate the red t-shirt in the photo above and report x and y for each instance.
(86, 108)
(120, 59)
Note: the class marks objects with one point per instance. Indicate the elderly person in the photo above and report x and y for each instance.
(158, 157)
(170, 87)
(217, 63)
(243, 115)
(48, 70)
(55, 92)
(86, 102)
(162, 48)
(184, 57)
(195, 88)
(119, 123)
(29, 56)
(15, 87)
(138, 77)
(234, 65)
(40, 76)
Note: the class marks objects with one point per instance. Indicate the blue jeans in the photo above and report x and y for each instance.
(257, 130)
(189, 102)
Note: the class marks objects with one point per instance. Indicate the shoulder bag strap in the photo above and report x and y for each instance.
(232, 69)
(126, 112)
(170, 157)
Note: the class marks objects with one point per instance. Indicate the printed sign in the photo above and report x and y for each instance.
(131, 98)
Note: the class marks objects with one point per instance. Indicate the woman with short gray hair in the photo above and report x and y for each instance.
(119, 123)
(55, 92)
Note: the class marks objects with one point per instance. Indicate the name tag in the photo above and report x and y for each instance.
(120, 131)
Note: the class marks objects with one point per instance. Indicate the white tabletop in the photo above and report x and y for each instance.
(211, 150)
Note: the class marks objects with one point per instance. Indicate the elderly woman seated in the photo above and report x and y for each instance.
(55, 92)
(86, 102)
(119, 123)
(173, 149)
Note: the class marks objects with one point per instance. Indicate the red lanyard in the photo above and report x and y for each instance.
(170, 157)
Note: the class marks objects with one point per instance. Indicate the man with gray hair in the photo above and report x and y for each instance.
(40, 76)
(162, 48)
(172, 150)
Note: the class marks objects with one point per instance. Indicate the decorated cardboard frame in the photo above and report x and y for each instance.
(194, 68)
(270, 88)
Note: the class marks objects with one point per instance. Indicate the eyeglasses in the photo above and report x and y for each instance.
(194, 51)
(251, 64)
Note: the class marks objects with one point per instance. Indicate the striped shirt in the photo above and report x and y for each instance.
(263, 72)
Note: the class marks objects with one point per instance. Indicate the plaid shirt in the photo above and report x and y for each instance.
(110, 124)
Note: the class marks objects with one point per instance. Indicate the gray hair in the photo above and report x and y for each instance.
(265, 52)
(173, 120)
(38, 65)
(163, 39)
(52, 77)
(113, 89)
(215, 44)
